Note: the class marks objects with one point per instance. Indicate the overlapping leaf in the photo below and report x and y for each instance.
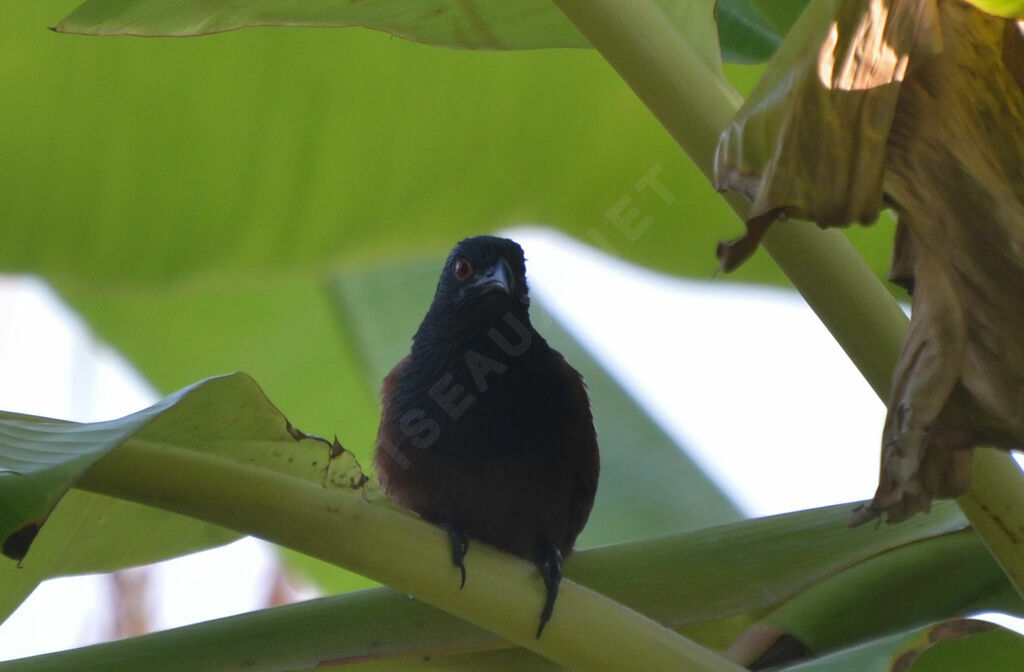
(949, 646)
(721, 567)
(476, 24)
(1010, 9)
(41, 459)
(89, 533)
(481, 24)
(750, 32)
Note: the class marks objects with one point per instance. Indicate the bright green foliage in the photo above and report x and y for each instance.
(995, 650)
(928, 649)
(235, 203)
(40, 460)
(734, 570)
(746, 36)
(90, 533)
(481, 24)
(1009, 8)
(752, 30)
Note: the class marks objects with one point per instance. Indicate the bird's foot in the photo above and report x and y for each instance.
(550, 565)
(460, 545)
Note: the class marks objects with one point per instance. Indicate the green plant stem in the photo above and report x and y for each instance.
(695, 105)
(731, 570)
(840, 288)
(691, 101)
(994, 505)
(374, 538)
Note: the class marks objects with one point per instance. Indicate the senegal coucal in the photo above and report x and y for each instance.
(485, 429)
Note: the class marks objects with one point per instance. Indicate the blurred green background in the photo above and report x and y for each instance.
(222, 203)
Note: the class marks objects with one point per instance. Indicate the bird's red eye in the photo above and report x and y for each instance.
(463, 269)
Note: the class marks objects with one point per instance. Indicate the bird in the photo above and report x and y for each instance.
(485, 429)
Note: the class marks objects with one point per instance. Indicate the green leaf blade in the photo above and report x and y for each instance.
(476, 25)
(780, 14)
(1009, 9)
(949, 646)
(745, 35)
(41, 459)
(382, 627)
(992, 650)
(88, 533)
(482, 25)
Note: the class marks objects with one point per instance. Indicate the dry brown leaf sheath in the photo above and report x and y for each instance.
(916, 104)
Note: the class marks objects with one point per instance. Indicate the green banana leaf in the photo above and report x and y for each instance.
(747, 37)
(41, 460)
(477, 24)
(205, 190)
(942, 647)
(634, 449)
(209, 185)
(89, 533)
(1010, 9)
(738, 569)
(220, 451)
(994, 650)
(191, 199)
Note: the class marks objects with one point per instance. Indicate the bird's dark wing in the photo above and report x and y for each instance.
(389, 433)
(578, 439)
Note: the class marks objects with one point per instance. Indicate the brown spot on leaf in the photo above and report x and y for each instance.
(761, 646)
(1013, 50)
(1012, 535)
(336, 448)
(296, 434)
(16, 545)
(960, 627)
(786, 650)
(905, 660)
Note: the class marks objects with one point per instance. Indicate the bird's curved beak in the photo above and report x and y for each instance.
(497, 278)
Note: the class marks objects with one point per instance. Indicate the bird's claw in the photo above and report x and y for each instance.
(460, 546)
(550, 566)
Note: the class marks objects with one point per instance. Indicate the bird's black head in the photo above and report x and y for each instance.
(483, 278)
(483, 274)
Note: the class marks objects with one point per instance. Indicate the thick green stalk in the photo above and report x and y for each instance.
(995, 506)
(692, 102)
(730, 570)
(588, 631)
(695, 104)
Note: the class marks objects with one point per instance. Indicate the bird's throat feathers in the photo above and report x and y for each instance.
(444, 340)
(478, 363)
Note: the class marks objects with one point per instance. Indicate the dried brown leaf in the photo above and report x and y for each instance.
(955, 175)
(810, 141)
(917, 104)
